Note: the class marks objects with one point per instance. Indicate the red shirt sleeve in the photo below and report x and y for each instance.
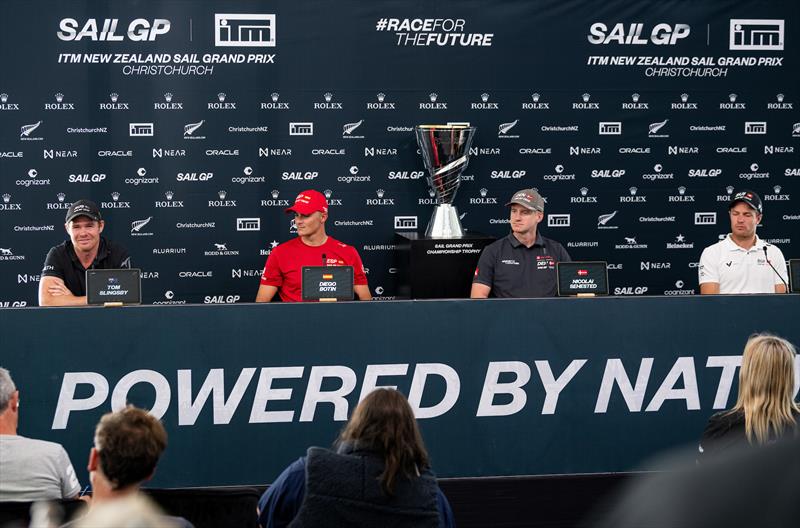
(272, 275)
(359, 275)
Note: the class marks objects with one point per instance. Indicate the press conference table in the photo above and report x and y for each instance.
(501, 386)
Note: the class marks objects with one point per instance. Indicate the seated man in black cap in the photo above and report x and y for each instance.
(522, 264)
(64, 274)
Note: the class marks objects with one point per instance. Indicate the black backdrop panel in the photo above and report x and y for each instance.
(196, 123)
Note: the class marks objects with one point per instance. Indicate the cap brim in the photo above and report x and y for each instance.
(301, 209)
(525, 205)
(89, 216)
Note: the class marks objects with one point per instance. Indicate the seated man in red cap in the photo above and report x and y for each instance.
(312, 247)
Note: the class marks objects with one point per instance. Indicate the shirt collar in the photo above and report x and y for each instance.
(516, 243)
(102, 251)
(730, 245)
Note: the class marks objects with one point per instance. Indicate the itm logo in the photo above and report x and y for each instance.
(140, 129)
(301, 129)
(244, 30)
(559, 220)
(610, 128)
(405, 222)
(248, 224)
(705, 218)
(755, 128)
(756, 34)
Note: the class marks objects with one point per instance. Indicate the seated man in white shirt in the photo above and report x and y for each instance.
(742, 262)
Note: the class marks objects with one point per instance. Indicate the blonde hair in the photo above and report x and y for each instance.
(766, 388)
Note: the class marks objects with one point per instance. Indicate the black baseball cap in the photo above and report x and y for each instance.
(83, 208)
(749, 197)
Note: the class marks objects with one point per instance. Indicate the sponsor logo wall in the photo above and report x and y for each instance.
(194, 129)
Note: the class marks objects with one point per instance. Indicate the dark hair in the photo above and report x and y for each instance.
(129, 443)
(384, 422)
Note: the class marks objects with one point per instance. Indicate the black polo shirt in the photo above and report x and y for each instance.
(512, 270)
(62, 262)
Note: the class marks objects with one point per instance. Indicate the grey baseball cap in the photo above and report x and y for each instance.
(529, 198)
(84, 208)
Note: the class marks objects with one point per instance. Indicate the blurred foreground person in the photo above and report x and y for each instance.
(765, 409)
(378, 476)
(30, 469)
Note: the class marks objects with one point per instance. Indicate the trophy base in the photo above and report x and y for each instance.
(444, 223)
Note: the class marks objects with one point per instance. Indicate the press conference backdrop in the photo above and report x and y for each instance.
(194, 124)
(530, 386)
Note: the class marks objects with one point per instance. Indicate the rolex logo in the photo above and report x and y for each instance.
(3, 97)
(633, 191)
(381, 96)
(586, 97)
(777, 189)
(115, 196)
(433, 96)
(729, 189)
(222, 194)
(484, 97)
(380, 193)
(168, 97)
(431, 192)
(113, 97)
(780, 97)
(221, 97)
(635, 98)
(328, 97)
(169, 194)
(6, 198)
(274, 96)
(327, 193)
(61, 196)
(535, 97)
(684, 97)
(681, 190)
(732, 97)
(484, 191)
(584, 191)
(59, 97)
(275, 193)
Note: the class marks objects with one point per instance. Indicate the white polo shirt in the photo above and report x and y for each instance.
(738, 270)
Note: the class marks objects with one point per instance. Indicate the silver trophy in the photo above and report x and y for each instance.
(445, 150)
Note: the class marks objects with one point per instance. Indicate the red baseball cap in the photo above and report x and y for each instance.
(308, 202)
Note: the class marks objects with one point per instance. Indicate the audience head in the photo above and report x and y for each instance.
(7, 389)
(766, 386)
(384, 422)
(127, 446)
